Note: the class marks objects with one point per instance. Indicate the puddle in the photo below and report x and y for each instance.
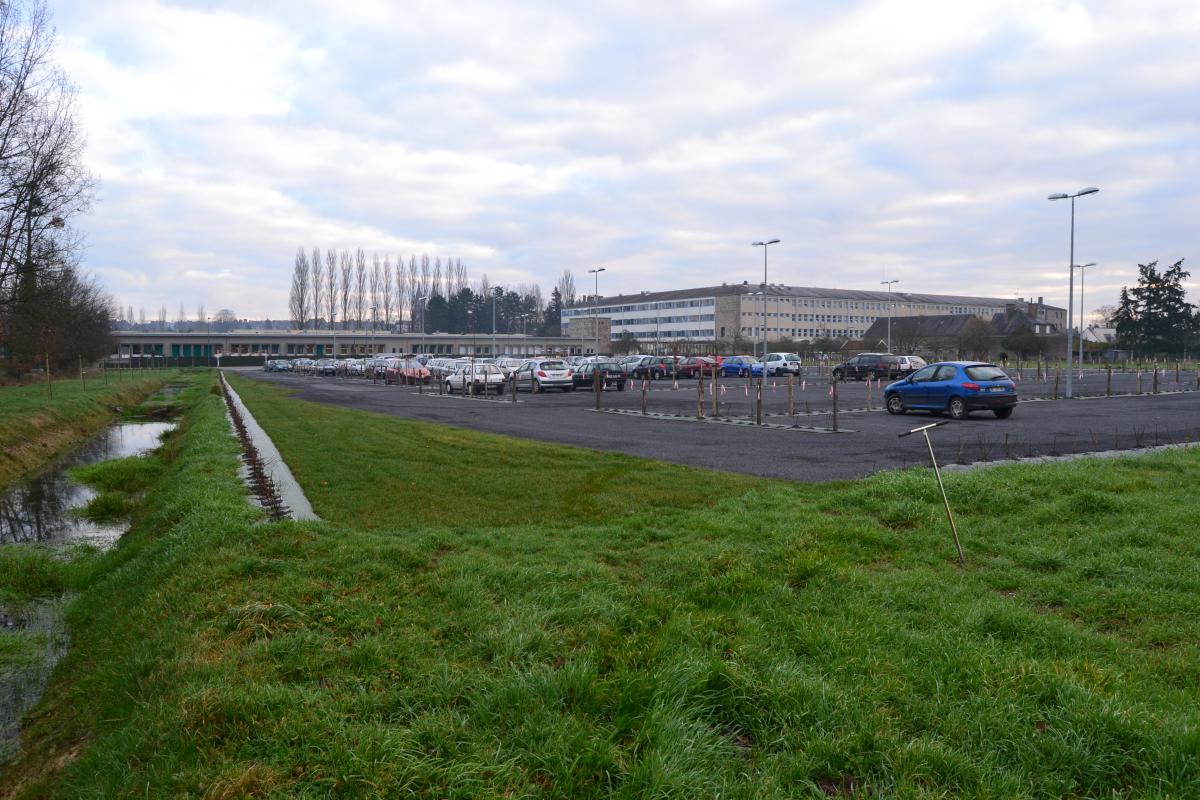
(20, 687)
(38, 509)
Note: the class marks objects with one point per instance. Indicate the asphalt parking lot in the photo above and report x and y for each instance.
(796, 447)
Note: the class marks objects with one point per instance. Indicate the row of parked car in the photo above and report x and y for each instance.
(537, 374)
(955, 388)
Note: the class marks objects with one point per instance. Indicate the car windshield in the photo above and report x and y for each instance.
(607, 365)
(552, 365)
(986, 372)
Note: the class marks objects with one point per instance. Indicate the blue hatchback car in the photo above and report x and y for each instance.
(740, 366)
(954, 387)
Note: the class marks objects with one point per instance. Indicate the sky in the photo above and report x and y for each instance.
(907, 140)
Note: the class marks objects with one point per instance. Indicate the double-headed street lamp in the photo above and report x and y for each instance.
(764, 246)
(1081, 268)
(889, 310)
(596, 305)
(1071, 271)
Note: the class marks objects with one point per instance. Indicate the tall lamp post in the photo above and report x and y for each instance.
(1071, 271)
(764, 246)
(596, 305)
(422, 300)
(1081, 268)
(889, 310)
(494, 324)
(372, 337)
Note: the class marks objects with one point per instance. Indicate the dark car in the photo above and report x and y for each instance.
(954, 387)
(585, 374)
(868, 366)
(654, 367)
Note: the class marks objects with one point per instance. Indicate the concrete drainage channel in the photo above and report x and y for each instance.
(267, 475)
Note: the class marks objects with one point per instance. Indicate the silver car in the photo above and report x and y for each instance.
(541, 374)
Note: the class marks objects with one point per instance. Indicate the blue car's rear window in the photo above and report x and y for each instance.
(986, 373)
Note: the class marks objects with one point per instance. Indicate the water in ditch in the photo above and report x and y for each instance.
(40, 508)
(40, 511)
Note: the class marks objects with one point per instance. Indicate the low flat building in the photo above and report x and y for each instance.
(251, 344)
(746, 310)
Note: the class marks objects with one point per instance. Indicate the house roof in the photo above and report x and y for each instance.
(951, 325)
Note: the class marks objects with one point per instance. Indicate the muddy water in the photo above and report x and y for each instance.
(40, 624)
(38, 510)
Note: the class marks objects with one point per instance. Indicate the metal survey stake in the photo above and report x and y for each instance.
(924, 430)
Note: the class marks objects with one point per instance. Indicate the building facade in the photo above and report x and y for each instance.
(337, 344)
(796, 312)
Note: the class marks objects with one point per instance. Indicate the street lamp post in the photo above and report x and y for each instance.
(423, 301)
(371, 338)
(596, 305)
(764, 246)
(1081, 268)
(889, 310)
(1071, 272)
(493, 324)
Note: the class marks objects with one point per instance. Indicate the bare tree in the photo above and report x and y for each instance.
(415, 291)
(401, 292)
(360, 286)
(460, 276)
(376, 278)
(317, 268)
(43, 184)
(181, 319)
(162, 317)
(298, 301)
(142, 315)
(437, 277)
(566, 288)
(200, 318)
(386, 291)
(347, 267)
(331, 285)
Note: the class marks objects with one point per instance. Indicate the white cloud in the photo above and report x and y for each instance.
(655, 140)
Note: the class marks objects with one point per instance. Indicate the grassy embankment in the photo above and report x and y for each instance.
(35, 428)
(484, 617)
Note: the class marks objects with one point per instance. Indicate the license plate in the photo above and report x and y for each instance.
(997, 389)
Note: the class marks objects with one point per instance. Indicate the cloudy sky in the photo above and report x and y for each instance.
(654, 139)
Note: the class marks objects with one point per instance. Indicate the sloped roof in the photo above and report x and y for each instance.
(933, 325)
(779, 290)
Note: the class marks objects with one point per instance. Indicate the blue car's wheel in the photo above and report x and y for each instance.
(895, 405)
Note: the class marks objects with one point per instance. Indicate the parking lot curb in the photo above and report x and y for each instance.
(744, 423)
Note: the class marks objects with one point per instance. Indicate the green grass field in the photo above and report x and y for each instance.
(485, 617)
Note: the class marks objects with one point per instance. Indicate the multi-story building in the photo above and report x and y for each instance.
(796, 312)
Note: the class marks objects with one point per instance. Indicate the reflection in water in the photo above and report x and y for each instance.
(38, 509)
(21, 688)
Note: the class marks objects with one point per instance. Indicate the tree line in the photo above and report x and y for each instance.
(50, 311)
(344, 289)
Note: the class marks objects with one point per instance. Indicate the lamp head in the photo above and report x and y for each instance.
(1058, 196)
(1088, 190)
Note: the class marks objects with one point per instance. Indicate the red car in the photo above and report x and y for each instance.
(694, 366)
